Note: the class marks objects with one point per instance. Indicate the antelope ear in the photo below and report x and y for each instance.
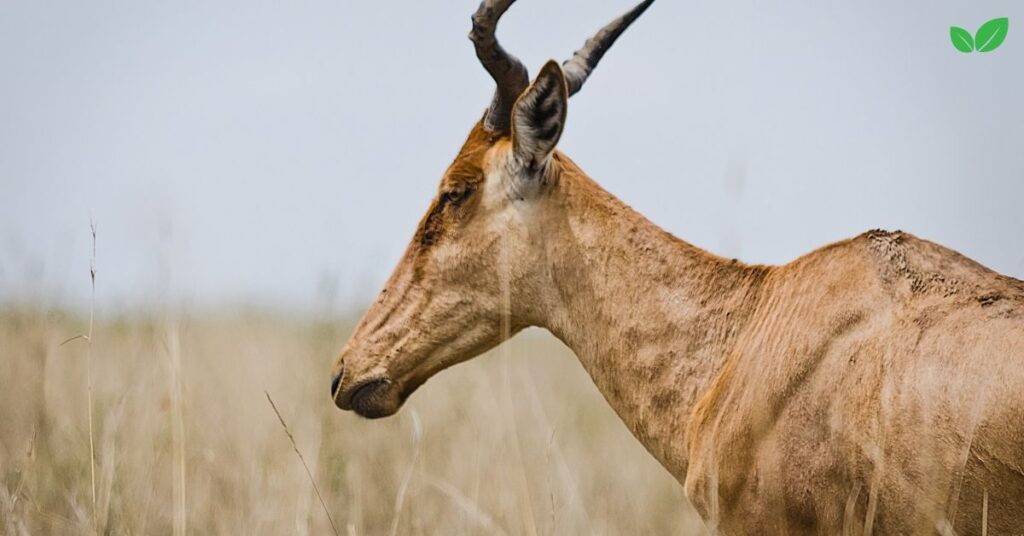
(539, 116)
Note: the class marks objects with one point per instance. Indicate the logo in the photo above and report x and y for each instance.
(988, 37)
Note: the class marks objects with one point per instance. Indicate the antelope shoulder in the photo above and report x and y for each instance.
(871, 371)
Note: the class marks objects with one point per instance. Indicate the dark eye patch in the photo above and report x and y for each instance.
(432, 225)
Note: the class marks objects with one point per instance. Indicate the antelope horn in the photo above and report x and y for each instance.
(578, 68)
(507, 71)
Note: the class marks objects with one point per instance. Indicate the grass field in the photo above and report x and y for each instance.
(518, 441)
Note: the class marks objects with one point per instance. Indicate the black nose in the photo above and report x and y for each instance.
(336, 381)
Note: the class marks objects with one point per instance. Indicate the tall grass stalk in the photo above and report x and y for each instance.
(403, 488)
(178, 432)
(88, 370)
(88, 373)
(302, 459)
(984, 514)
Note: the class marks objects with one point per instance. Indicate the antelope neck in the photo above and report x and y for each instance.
(651, 318)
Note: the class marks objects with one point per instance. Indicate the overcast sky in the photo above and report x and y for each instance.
(281, 153)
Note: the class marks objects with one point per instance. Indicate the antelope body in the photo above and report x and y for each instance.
(873, 385)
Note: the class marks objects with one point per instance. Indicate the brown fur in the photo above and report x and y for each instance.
(876, 384)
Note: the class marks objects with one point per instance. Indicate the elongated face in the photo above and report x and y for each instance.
(456, 291)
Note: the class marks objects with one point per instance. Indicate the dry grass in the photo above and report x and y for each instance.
(516, 442)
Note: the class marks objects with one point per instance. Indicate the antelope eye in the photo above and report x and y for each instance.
(455, 196)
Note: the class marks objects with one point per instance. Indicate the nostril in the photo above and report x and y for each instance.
(336, 381)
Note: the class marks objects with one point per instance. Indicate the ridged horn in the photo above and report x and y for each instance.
(582, 63)
(508, 72)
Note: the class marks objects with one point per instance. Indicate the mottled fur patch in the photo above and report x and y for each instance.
(891, 247)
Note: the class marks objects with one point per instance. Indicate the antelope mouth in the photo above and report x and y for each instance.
(372, 399)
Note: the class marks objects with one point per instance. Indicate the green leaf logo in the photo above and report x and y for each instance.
(962, 39)
(988, 37)
(991, 34)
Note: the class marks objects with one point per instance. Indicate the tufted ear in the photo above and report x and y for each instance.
(539, 116)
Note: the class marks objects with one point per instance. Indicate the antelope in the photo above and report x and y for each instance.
(873, 385)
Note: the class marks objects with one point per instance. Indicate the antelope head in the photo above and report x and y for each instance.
(472, 274)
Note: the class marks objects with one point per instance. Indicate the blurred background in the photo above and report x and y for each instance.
(255, 169)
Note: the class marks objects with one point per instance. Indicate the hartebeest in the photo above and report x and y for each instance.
(876, 384)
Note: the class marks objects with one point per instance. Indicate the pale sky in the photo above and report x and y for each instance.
(267, 153)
